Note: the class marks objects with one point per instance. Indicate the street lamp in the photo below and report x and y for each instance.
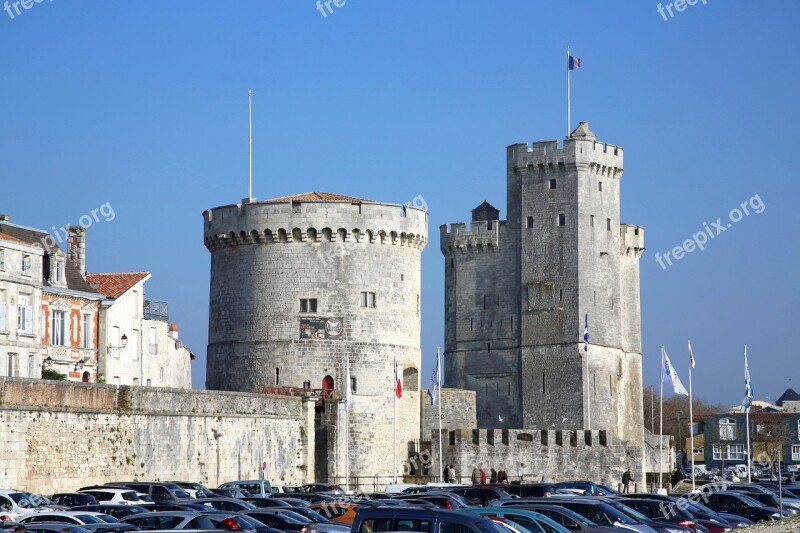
(124, 341)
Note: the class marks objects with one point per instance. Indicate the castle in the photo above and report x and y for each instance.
(518, 292)
(302, 284)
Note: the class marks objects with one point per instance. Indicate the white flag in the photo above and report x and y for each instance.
(670, 377)
(348, 391)
(691, 355)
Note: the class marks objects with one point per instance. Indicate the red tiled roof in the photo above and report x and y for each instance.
(317, 197)
(115, 284)
(4, 237)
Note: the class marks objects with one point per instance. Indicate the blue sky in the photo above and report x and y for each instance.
(144, 106)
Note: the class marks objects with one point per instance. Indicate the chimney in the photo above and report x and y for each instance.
(76, 250)
(5, 218)
(173, 331)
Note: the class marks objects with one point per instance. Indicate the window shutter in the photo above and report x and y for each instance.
(2, 316)
(29, 318)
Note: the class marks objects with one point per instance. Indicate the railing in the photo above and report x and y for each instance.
(156, 310)
(320, 394)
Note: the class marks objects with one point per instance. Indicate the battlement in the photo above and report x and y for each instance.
(528, 437)
(581, 149)
(315, 222)
(631, 240)
(479, 237)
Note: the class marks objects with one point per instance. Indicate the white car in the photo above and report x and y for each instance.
(77, 518)
(114, 495)
(17, 503)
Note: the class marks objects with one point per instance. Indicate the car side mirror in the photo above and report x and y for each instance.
(574, 526)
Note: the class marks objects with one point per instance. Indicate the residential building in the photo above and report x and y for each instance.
(789, 401)
(137, 344)
(725, 438)
(64, 322)
(21, 352)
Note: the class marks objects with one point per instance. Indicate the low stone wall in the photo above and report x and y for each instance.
(540, 455)
(59, 436)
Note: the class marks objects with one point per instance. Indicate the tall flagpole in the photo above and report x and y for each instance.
(747, 415)
(394, 418)
(439, 394)
(661, 425)
(250, 122)
(569, 110)
(588, 386)
(691, 416)
(347, 428)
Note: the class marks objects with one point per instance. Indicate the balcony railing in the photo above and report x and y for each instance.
(156, 310)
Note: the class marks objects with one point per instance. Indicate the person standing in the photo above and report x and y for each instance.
(493, 476)
(445, 472)
(627, 477)
(476, 476)
(451, 474)
(502, 476)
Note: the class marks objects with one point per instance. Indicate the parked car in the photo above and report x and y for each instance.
(569, 519)
(55, 527)
(231, 493)
(600, 512)
(256, 487)
(531, 490)
(279, 521)
(15, 504)
(324, 488)
(530, 520)
(117, 511)
(340, 512)
(73, 499)
(170, 520)
(741, 505)
(660, 512)
(159, 492)
(369, 519)
(268, 502)
(224, 504)
(321, 524)
(113, 495)
(482, 495)
(311, 497)
(195, 490)
(85, 519)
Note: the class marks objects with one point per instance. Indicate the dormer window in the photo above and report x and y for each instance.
(59, 273)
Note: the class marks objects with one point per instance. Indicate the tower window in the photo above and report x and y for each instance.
(452, 263)
(471, 323)
(562, 219)
(306, 384)
(368, 299)
(552, 184)
(488, 347)
(608, 224)
(277, 377)
(591, 221)
(308, 305)
(352, 384)
(529, 222)
(600, 186)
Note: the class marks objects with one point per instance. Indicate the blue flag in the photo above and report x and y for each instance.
(586, 334)
(433, 389)
(748, 387)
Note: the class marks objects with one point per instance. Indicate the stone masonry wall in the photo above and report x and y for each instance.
(543, 456)
(60, 436)
(458, 411)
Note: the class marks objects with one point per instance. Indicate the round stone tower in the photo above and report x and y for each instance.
(304, 284)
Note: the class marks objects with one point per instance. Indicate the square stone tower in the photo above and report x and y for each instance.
(517, 293)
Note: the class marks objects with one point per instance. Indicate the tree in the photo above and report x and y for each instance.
(54, 375)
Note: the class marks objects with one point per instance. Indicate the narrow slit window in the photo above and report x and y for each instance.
(553, 184)
(562, 219)
(529, 222)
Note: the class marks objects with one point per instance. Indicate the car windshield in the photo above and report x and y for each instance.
(22, 500)
(311, 515)
(630, 512)
(179, 492)
(130, 496)
(107, 518)
(293, 515)
(88, 519)
(750, 502)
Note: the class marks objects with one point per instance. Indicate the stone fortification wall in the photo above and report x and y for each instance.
(60, 436)
(458, 411)
(543, 455)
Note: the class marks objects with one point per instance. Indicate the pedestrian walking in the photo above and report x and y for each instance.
(476, 476)
(493, 476)
(627, 477)
(483, 477)
(451, 474)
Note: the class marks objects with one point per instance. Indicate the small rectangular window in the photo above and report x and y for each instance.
(87, 331)
(591, 221)
(308, 305)
(306, 384)
(277, 377)
(352, 383)
(369, 299)
(562, 219)
(529, 222)
(452, 263)
(600, 186)
(552, 184)
(26, 264)
(2, 259)
(608, 224)
(488, 347)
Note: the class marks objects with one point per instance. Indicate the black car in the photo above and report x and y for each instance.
(661, 511)
(115, 510)
(482, 495)
(740, 505)
(73, 499)
(224, 504)
(278, 521)
(531, 490)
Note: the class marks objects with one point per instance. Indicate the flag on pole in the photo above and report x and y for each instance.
(691, 355)
(433, 388)
(748, 388)
(670, 377)
(398, 384)
(348, 391)
(586, 334)
(574, 63)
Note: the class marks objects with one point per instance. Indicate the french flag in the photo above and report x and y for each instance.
(574, 62)
(398, 384)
